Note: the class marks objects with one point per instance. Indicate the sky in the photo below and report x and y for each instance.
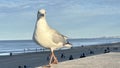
(73, 18)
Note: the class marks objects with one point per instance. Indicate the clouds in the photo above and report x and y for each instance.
(16, 5)
(93, 7)
(76, 6)
(76, 17)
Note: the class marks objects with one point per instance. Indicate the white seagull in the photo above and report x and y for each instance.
(47, 37)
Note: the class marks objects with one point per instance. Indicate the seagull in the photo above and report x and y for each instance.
(48, 37)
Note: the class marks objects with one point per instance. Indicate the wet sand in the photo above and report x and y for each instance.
(33, 60)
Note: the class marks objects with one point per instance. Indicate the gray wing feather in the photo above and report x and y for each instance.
(57, 37)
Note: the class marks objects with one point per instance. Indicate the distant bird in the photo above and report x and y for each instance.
(47, 37)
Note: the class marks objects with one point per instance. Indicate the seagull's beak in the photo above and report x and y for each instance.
(42, 15)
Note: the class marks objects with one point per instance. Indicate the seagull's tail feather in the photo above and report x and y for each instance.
(68, 45)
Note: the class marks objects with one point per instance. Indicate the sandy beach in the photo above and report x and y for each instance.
(34, 60)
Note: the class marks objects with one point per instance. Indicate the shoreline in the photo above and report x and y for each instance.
(34, 50)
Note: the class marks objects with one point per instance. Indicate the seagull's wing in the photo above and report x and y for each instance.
(57, 37)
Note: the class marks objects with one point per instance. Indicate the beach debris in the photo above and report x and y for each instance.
(83, 55)
(25, 66)
(91, 52)
(19, 66)
(71, 57)
(10, 53)
(62, 55)
(82, 45)
(107, 50)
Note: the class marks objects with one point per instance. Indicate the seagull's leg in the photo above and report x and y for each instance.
(50, 62)
(55, 61)
(51, 58)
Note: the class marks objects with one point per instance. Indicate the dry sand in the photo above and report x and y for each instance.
(33, 60)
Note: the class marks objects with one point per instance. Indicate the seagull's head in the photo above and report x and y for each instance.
(41, 13)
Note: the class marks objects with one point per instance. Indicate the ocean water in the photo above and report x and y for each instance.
(21, 46)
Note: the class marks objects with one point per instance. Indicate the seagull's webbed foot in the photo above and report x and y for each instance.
(55, 61)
